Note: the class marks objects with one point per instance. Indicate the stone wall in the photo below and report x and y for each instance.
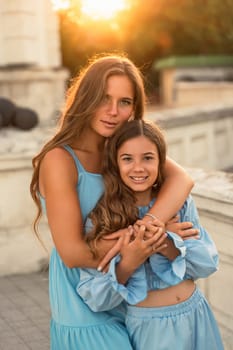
(20, 251)
(29, 34)
(213, 195)
(40, 89)
(195, 80)
(198, 136)
(31, 72)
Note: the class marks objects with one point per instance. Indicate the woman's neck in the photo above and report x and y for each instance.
(89, 142)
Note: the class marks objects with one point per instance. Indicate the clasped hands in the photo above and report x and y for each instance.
(146, 237)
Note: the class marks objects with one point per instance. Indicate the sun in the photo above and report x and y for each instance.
(102, 9)
(94, 9)
(60, 4)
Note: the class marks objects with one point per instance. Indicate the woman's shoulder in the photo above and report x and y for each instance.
(58, 161)
(57, 157)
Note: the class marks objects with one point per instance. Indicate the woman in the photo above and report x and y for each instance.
(67, 183)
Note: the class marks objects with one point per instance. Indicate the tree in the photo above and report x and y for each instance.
(149, 30)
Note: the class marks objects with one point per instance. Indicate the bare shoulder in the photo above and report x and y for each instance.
(58, 158)
(57, 167)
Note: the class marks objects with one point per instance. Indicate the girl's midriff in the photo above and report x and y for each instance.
(169, 296)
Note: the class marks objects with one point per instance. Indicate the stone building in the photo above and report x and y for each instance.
(31, 74)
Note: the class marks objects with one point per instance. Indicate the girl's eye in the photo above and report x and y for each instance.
(126, 159)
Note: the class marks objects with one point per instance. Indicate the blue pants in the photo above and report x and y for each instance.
(189, 325)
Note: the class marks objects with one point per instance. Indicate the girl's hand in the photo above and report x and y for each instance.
(152, 225)
(114, 242)
(141, 247)
(184, 229)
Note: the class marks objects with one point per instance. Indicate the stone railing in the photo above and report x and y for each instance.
(213, 195)
(198, 136)
(20, 251)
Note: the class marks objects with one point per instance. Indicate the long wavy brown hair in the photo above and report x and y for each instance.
(117, 207)
(83, 97)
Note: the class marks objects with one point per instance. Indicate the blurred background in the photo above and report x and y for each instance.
(184, 49)
(146, 30)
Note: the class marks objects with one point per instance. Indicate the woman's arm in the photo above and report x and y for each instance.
(174, 191)
(58, 180)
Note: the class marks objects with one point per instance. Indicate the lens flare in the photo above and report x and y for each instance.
(102, 9)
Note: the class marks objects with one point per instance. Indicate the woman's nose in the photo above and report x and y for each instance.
(113, 108)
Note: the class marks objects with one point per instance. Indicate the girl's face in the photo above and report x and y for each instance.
(116, 107)
(138, 163)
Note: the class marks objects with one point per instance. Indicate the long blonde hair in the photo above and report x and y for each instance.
(117, 207)
(83, 97)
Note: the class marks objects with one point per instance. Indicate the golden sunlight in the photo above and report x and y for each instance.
(102, 9)
(60, 4)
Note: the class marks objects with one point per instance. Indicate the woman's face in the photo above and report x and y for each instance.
(138, 163)
(116, 107)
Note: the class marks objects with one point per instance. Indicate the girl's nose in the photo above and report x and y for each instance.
(138, 166)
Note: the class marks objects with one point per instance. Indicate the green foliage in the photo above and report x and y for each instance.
(194, 61)
(149, 30)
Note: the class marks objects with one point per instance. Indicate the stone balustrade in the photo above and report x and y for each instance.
(213, 195)
(198, 136)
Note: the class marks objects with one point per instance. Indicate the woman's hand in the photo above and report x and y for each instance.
(184, 229)
(112, 244)
(135, 252)
(152, 225)
(139, 242)
(138, 249)
(168, 249)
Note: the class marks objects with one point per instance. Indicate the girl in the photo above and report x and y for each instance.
(67, 184)
(165, 308)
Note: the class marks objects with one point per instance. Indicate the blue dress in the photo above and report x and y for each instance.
(73, 325)
(189, 325)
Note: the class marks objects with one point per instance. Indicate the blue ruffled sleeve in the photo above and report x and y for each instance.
(170, 272)
(102, 292)
(198, 257)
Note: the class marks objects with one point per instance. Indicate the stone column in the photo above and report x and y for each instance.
(30, 60)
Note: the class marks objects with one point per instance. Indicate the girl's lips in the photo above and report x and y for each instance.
(138, 179)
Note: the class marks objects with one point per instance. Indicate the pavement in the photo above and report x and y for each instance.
(24, 312)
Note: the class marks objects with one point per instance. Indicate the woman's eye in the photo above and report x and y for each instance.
(148, 158)
(126, 102)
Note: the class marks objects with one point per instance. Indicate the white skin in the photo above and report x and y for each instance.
(58, 174)
(138, 163)
(58, 177)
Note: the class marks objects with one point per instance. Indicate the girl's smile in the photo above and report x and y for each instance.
(138, 163)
